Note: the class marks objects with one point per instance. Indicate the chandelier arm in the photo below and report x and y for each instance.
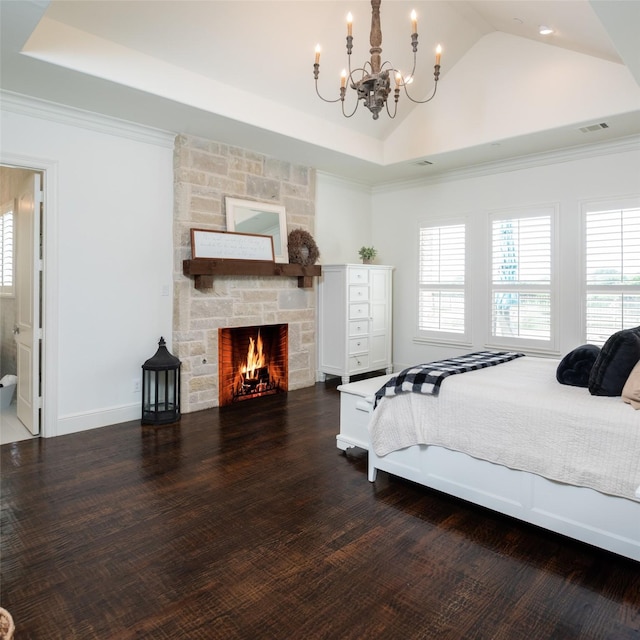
(353, 112)
(343, 93)
(324, 99)
(395, 104)
(415, 63)
(363, 69)
(431, 97)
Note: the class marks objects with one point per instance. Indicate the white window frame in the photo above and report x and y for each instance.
(443, 337)
(8, 291)
(587, 207)
(513, 342)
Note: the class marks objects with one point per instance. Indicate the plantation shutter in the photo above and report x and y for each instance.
(612, 260)
(521, 279)
(6, 252)
(441, 295)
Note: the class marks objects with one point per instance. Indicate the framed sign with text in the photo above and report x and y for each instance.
(226, 245)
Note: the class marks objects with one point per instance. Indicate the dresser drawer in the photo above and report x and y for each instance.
(357, 311)
(358, 328)
(358, 363)
(358, 276)
(358, 345)
(358, 294)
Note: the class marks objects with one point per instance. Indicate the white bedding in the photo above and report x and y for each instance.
(516, 414)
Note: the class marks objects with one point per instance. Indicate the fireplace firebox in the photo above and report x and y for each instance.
(252, 361)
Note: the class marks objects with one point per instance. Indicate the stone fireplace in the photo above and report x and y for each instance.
(205, 173)
(253, 362)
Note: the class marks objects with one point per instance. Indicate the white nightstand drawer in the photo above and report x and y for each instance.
(357, 311)
(359, 327)
(358, 345)
(358, 276)
(357, 294)
(358, 363)
(356, 405)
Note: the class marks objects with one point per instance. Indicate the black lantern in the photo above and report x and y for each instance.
(161, 388)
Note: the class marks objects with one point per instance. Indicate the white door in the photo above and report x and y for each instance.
(380, 349)
(27, 327)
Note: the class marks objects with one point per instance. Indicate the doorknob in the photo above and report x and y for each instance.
(16, 330)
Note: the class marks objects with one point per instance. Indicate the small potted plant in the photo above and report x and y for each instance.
(367, 254)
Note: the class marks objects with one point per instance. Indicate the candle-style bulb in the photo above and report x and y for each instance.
(343, 78)
(414, 22)
(317, 54)
(438, 52)
(349, 23)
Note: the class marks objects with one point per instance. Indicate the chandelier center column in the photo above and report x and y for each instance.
(375, 38)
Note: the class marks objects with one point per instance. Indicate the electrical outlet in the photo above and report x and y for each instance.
(136, 386)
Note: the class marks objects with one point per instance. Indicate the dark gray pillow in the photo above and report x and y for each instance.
(618, 356)
(575, 367)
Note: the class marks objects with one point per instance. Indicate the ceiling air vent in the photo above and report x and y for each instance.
(423, 163)
(594, 127)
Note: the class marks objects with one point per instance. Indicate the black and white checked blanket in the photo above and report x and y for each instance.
(427, 378)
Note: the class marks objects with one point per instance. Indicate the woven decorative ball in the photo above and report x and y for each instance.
(302, 248)
(6, 625)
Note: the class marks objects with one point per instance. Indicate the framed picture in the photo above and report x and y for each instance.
(224, 245)
(246, 216)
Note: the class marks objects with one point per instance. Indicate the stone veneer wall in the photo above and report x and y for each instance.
(205, 173)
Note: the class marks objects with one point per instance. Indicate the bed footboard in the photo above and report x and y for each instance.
(608, 522)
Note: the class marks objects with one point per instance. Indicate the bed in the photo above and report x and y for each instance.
(512, 439)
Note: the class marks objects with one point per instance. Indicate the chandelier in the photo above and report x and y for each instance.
(372, 81)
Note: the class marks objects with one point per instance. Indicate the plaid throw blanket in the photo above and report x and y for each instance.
(427, 378)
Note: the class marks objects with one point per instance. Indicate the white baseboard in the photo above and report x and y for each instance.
(94, 419)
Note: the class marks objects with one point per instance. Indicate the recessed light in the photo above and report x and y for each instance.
(545, 31)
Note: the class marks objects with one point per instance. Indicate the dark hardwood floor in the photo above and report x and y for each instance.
(248, 522)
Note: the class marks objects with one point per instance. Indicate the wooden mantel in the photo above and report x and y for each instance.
(204, 269)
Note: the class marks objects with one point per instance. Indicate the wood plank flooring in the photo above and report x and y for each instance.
(248, 522)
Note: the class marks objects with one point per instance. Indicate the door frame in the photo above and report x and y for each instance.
(49, 290)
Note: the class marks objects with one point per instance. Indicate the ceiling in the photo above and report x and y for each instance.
(241, 71)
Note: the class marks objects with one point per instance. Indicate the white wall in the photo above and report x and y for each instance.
(565, 182)
(108, 260)
(552, 88)
(343, 220)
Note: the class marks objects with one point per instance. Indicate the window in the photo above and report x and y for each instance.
(612, 262)
(6, 251)
(442, 283)
(521, 276)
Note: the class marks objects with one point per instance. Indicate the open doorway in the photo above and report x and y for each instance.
(20, 303)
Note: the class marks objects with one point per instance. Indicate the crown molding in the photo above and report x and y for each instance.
(43, 109)
(332, 178)
(519, 163)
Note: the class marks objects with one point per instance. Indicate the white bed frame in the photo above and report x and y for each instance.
(608, 522)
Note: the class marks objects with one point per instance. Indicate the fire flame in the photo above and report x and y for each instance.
(255, 357)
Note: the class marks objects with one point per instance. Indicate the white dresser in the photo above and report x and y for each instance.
(354, 314)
